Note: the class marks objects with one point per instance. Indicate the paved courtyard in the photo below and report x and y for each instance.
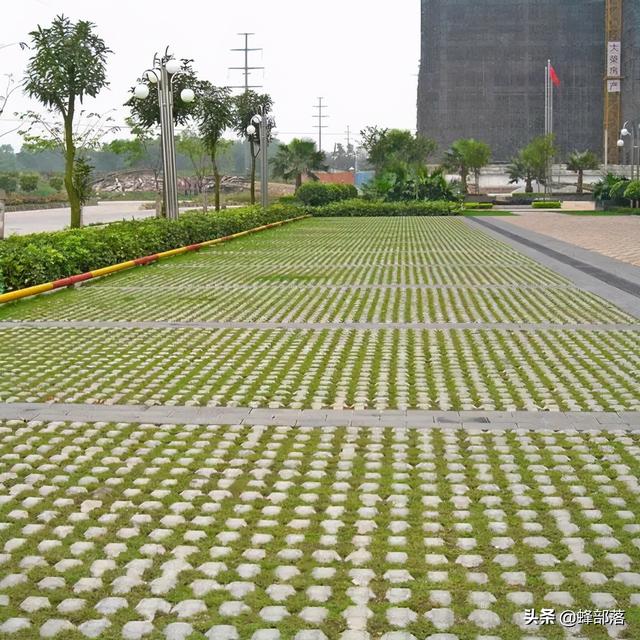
(175, 499)
(614, 236)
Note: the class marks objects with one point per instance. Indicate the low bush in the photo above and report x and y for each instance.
(18, 199)
(42, 257)
(353, 208)
(288, 200)
(316, 194)
(478, 205)
(546, 204)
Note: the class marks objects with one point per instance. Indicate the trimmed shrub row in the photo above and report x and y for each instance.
(476, 206)
(353, 208)
(546, 204)
(316, 194)
(42, 257)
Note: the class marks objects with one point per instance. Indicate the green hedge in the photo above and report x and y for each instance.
(546, 204)
(354, 208)
(42, 257)
(316, 194)
(476, 206)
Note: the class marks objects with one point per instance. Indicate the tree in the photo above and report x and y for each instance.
(520, 169)
(388, 148)
(68, 64)
(467, 155)
(247, 105)
(215, 113)
(7, 158)
(296, 159)
(192, 146)
(538, 155)
(579, 162)
(8, 183)
(56, 182)
(602, 189)
(632, 192)
(28, 182)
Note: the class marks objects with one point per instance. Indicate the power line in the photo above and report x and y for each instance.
(246, 69)
(320, 117)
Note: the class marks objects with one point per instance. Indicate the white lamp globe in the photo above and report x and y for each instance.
(152, 76)
(173, 66)
(141, 91)
(257, 119)
(187, 95)
(251, 129)
(625, 132)
(621, 143)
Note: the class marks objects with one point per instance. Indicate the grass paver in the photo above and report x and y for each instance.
(125, 527)
(378, 273)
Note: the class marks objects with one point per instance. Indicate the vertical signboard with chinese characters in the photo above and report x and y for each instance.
(613, 67)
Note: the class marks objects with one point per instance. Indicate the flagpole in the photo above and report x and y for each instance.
(546, 106)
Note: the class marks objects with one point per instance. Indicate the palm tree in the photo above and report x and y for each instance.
(520, 169)
(579, 162)
(467, 155)
(296, 159)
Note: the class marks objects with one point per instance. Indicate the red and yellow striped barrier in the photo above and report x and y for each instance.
(96, 273)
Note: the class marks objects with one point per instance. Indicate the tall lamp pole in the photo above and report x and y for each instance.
(261, 124)
(165, 70)
(635, 149)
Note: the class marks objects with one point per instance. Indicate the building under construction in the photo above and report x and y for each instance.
(482, 72)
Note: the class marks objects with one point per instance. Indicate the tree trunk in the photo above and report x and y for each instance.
(216, 179)
(463, 177)
(529, 183)
(298, 180)
(477, 174)
(580, 181)
(253, 172)
(69, 159)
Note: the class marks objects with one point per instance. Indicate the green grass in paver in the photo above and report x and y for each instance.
(391, 523)
(454, 369)
(378, 270)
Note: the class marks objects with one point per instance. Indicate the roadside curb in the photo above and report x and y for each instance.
(97, 273)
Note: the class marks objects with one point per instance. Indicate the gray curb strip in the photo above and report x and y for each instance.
(490, 420)
(305, 326)
(588, 270)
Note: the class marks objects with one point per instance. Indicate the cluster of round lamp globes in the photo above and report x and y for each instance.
(154, 75)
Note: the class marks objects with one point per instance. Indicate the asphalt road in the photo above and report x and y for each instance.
(24, 222)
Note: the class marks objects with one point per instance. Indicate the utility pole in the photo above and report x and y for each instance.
(246, 69)
(321, 116)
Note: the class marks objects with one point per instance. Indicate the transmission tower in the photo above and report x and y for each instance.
(246, 69)
(320, 116)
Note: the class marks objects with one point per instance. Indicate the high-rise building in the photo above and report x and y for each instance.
(482, 71)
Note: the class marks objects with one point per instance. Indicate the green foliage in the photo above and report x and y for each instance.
(602, 189)
(19, 200)
(617, 190)
(296, 159)
(68, 63)
(409, 183)
(478, 205)
(632, 192)
(579, 162)
(28, 182)
(288, 200)
(8, 161)
(82, 179)
(56, 182)
(388, 148)
(355, 208)
(316, 194)
(146, 113)
(546, 204)
(43, 257)
(8, 183)
(538, 155)
(467, 155)
(521, 169)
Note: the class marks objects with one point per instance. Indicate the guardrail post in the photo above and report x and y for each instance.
(2, 196)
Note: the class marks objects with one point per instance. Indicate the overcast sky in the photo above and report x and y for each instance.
(362, 56)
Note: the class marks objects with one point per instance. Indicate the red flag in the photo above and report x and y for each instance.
(554, 76)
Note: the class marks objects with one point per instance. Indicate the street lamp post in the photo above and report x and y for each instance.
(635, 149)
(165, 70)
(261, 123)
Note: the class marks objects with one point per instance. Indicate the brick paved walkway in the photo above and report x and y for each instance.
(617, 237)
